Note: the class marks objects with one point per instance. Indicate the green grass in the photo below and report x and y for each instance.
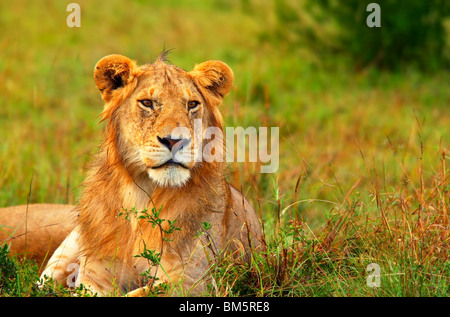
(364, 155)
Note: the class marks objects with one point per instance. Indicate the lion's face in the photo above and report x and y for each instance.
(158, 120)
(159, 113)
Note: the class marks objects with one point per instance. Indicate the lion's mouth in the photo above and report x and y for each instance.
(168, 163)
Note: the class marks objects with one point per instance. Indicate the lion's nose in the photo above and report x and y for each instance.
(173, 144)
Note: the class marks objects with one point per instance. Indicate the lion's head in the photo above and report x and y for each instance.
(155, 112)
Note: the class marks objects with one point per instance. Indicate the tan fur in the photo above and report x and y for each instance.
(35, 230)
(125, 174)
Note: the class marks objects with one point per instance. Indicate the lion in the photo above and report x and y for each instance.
(149, 189)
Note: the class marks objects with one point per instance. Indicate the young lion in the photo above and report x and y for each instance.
(149, 162)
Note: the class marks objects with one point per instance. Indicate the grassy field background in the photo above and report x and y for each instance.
(364, 154)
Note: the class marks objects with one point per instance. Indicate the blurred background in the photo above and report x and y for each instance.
(351, 101)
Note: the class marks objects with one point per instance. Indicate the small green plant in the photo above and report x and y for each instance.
(166, 229)
(208, 241)
(8, 270)
(19, 278)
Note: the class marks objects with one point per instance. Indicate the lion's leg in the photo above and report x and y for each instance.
(184, 279)
(64, 262)
(94, 276)
(168, 271)
(106, 277)
(139, 292)
(190, 285)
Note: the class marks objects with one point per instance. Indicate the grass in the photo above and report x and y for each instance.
(363, 174)
(404, 230)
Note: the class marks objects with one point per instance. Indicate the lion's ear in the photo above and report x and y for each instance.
(113, 72)
(215, 76)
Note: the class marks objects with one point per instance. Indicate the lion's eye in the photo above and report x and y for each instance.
(146, 103)
(193, 104)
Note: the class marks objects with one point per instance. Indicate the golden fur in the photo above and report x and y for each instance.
(127, 174)
(36, 230)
